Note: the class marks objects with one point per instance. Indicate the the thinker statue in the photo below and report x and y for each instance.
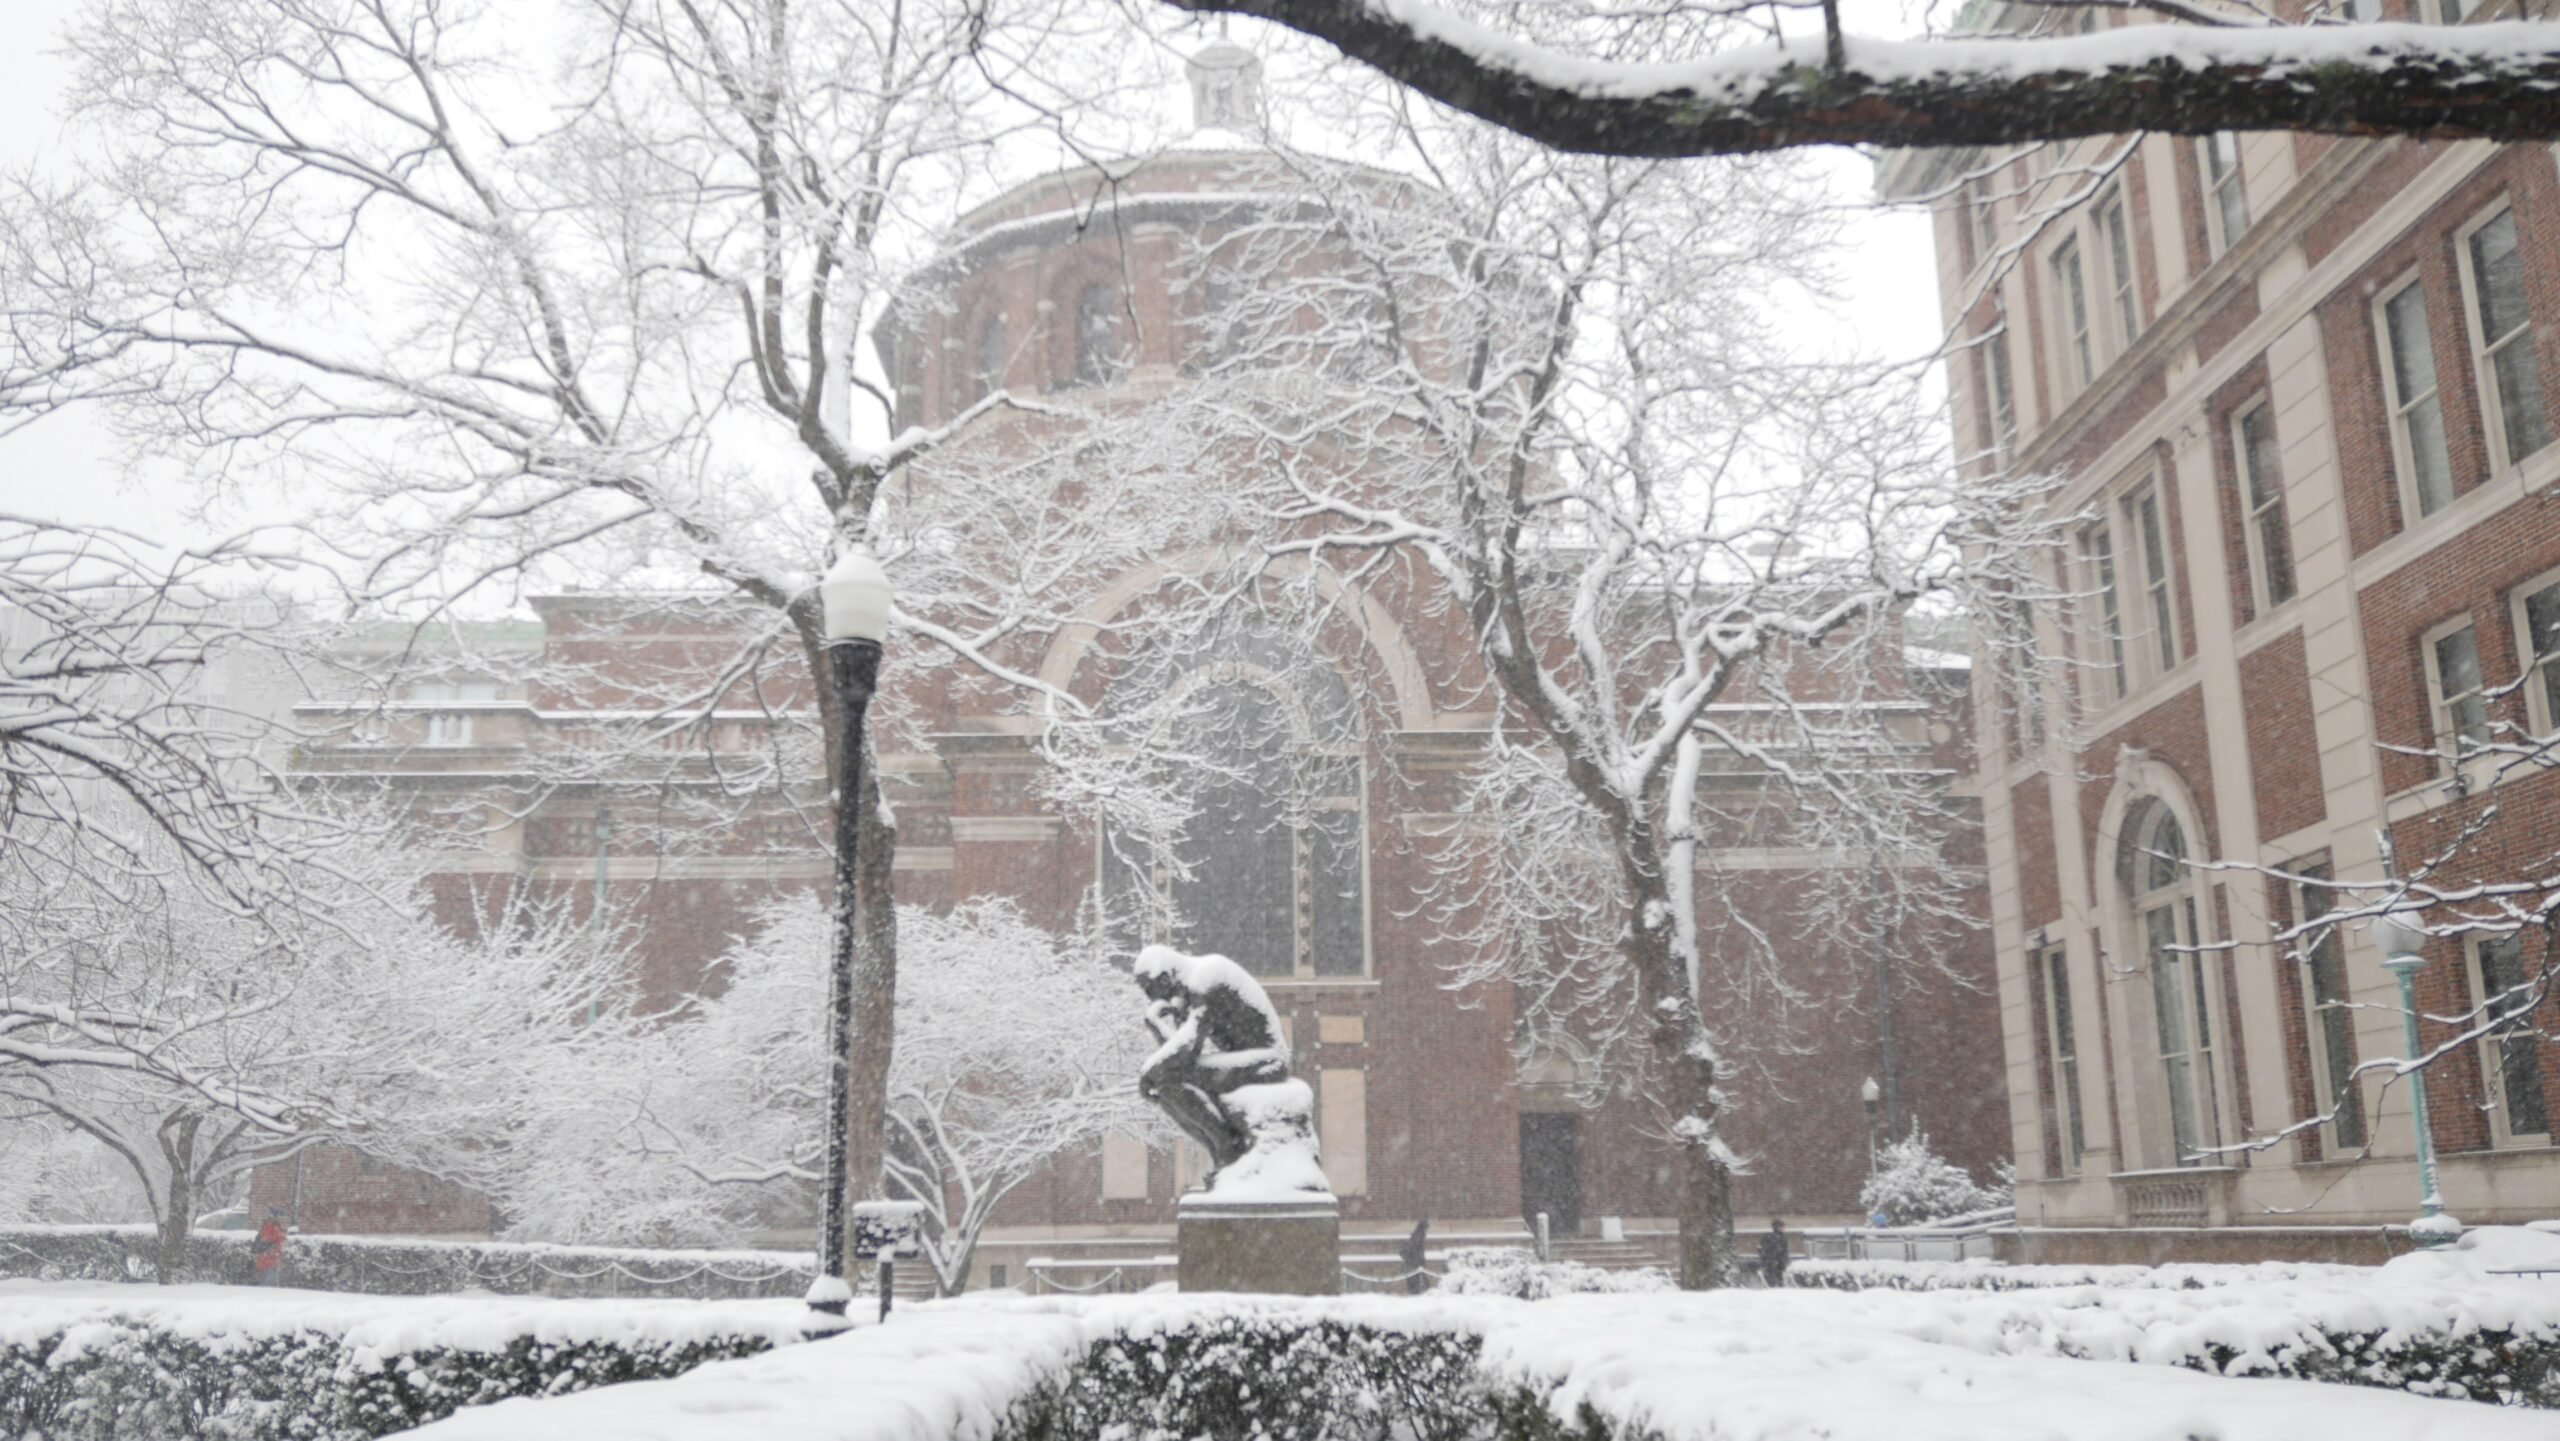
(1221, 1072)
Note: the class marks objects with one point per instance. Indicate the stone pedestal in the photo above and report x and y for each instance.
(1285, 1248)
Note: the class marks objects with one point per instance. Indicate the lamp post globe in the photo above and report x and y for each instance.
(2402, 941)
(855, 596)
(856, 600)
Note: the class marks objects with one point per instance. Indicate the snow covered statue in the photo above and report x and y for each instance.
(1221, 1072)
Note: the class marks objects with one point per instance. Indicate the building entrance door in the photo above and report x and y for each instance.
(1551, 1170)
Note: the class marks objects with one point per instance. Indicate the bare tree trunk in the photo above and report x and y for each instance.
(178, 1148)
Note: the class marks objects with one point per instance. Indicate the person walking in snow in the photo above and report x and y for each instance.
(1773, 1253)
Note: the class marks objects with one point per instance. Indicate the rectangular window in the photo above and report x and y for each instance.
(2160, 609)
(2120, 281)
(2511, 1054)
(2071, 294)
(2453, 673)
(2066, 1058)
(1124, 1168)
(2004, 396)
(2098, 560)
(2502, 339)
(2538, 633)
(1342, 1129)
(2417, 411)
(2179, 1001)
(2018, 658)
(1982, 220)
(2226, 203)
(2262, 501)
(2451, 12)
(2330, 1019)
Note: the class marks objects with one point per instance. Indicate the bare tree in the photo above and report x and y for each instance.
(1721, 78)
(1548, 397)
(1014, 1051)
(512, 296)
(194, 1044)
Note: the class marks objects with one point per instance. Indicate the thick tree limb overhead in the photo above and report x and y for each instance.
(2490, 82)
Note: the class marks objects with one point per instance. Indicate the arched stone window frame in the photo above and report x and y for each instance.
(1308, 955)
(1100, 350)
(2159, 921)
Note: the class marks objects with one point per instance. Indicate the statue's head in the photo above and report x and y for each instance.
(1159, 973)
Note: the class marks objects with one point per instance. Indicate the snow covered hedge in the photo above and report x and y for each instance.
(378, 1266)
(1511, 1271)
(196, 1365)
(1835, 1275)
(2125, 1364)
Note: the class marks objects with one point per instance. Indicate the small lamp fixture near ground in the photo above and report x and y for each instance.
(2403, 943)
(856, 598)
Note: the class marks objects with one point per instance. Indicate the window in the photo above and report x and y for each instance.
(1342, 1128)
(2538, 635)
(1124, 1168)
(2502, 339)
(2511, 1054)
(2066, 1058)
(2417, 412)
(451, 727)
(1982, 219)
(1268, 868)
(2226, 202)
(2004, 399)
(2165, 920)
(2071, 295)
(2106, 609)
(2126, 310)
(2159, 609)
(2453, 680)
(2329, 1015)
(2262, 501)
(986, 359)
(1101, 356)
(2450, 12)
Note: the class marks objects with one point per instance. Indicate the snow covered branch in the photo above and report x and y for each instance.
(2490, 82)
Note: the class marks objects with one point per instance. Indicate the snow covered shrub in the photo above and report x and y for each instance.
(171, 1377)
(1913, 1184)
(1263, 1375)
(1510, 1271)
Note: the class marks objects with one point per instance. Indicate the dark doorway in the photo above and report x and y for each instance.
(1551, 1171)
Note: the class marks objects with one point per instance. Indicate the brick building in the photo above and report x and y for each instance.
(2293, 389)
(1431, 1104)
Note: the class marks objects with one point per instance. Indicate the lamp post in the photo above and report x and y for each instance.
(1870, 1092)
(855, 597)
(2403, 945)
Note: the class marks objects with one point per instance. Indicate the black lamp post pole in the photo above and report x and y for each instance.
(853, 669)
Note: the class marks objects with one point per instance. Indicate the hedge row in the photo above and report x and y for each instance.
(130, 1377)
(382, 1267)
(1837, 1275)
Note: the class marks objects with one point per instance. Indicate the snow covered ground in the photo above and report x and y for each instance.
(2086, 1362)
(1752, 1365)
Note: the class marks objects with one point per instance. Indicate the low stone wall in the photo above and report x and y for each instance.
(2203, 1245)
(381, 1266)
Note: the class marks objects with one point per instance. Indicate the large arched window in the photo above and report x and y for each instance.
(986, 358)
(1267, 867)
(2161, 887)
(1102, 354)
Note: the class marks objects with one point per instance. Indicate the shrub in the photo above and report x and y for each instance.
(1509, 1271)
(1912, 1184)
(122, 1377)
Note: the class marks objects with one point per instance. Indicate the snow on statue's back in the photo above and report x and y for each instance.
(1221, 1072)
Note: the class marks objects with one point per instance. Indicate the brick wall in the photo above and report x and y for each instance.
(2284, 753)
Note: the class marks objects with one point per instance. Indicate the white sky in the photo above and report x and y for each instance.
(65, 468)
